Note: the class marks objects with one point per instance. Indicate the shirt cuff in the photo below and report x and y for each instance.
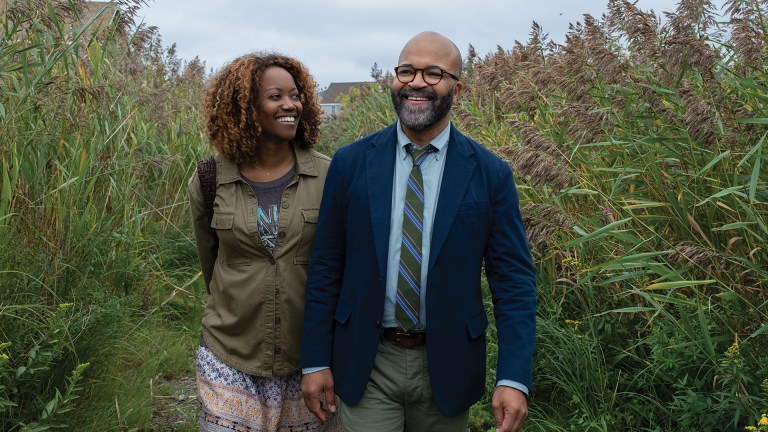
(513, 384)
(309, 370)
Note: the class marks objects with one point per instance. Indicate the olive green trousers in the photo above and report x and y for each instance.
(398, 396)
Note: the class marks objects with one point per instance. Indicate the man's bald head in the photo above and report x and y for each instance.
(436, 43)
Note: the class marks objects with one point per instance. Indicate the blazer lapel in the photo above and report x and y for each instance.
(456, 175)
(380, 172)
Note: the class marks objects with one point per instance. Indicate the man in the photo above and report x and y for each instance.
(394, 320)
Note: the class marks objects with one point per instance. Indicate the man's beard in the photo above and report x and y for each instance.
(421, 118)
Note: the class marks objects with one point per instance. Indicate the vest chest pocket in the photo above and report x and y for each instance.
(231, 251)
(308, 228)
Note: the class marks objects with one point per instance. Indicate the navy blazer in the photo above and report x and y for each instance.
(477, 220)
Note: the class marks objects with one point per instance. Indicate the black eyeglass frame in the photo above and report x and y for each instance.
(443, 72)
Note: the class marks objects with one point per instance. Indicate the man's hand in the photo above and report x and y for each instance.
(317, 389)
(510, 409)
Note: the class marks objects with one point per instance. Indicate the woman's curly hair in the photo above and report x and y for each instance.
(230, 109)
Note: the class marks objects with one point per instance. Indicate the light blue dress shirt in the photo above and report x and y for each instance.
(432, 172)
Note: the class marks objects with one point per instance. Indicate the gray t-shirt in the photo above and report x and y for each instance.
(268, 195)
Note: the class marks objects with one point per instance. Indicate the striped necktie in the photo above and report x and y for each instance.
(409, 277)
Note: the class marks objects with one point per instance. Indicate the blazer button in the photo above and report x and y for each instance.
(285, 204)
(272, 260)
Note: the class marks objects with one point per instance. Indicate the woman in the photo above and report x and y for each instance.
(262, 117)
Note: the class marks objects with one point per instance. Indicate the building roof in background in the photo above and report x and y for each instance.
(334, 90)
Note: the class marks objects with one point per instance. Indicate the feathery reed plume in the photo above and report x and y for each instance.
(585, 63)
(585, 122)
(30, 13)
(701, 120)
(602, 58)
(531, 139)
(615, 15)
(747, 35)
(685, 47)
(540, 168)
(465, 119)
(155, 164)
(708, 263)
(571, 67)
(127, 11)
(542, 221)
(511, 74)
(706, 259)
(468, 72)
(493, 70)
(695, 16)
(640, 28)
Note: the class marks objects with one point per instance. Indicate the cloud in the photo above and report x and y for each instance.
(340, 40)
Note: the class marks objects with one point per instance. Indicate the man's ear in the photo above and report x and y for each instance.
(457, 91)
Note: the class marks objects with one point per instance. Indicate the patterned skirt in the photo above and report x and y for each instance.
(233, 401)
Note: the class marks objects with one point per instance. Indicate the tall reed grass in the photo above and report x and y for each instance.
(99, 134)
(638, 145)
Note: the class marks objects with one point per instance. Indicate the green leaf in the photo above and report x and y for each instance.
(645, 204)
(734, 225)
(755, 120)
(754, 178)
(713, 162)
(596, 234)
(735, 190)
(759, 331)
(677, 284)
(631, 309)
(757, 147)
(581, 192)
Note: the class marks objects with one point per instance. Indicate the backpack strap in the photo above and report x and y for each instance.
(206, 172)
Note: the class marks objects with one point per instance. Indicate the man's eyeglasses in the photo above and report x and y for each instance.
(431, 74)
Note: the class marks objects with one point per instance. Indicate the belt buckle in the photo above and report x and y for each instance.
(403, 334)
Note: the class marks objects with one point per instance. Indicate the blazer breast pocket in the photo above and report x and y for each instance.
(473, 219)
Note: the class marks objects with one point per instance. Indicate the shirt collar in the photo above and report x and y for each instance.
(305, 165)
(439, 142)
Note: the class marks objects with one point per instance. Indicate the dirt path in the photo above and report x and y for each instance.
(175, 405)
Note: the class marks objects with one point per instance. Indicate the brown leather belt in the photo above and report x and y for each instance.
(406, 339)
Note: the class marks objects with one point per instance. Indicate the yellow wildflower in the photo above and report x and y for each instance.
(750, 428)
(571, 261)
(4, 357)
(763, 420)
(573, 322)
(733, 351)
(65, 305)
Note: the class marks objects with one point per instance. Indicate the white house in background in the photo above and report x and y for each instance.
(330, 98)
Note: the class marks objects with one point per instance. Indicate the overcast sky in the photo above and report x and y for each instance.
(340, 40)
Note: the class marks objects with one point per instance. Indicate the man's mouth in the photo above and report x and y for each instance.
(417, 96)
